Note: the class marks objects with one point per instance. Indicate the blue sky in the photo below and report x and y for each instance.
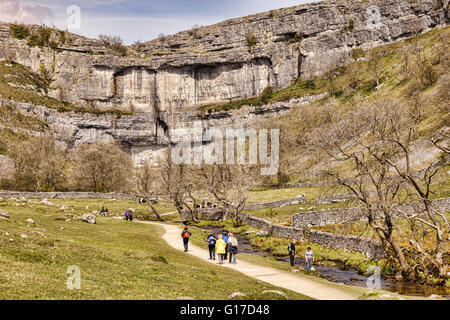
(135, 19)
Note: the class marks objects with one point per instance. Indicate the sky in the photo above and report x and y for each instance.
(132, 20)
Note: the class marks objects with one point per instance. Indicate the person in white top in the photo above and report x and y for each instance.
(233, 247)
(309, 258)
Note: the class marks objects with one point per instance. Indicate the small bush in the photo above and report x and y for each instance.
(251, 40)
(19, 31)
(357, 53)
(62, 37)
(265, 96)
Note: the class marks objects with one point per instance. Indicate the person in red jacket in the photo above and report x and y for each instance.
(185, 235)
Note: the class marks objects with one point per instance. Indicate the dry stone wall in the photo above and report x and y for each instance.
(301, 199)
(339, 216)
(370, 248)
(63, 195)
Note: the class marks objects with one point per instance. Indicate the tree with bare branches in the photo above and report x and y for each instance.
(376, 145)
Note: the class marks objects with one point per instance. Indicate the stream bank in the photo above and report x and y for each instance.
(339, 273)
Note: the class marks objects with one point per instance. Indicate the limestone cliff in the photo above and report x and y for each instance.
(167, 78)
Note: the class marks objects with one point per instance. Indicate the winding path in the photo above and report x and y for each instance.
(308, 287)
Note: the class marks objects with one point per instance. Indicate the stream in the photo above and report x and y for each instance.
(339, 275)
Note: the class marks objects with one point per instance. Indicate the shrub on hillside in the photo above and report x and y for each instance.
(19, 31)
(102, 167)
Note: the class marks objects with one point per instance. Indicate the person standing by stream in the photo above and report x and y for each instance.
(309, 258)
(291, 249)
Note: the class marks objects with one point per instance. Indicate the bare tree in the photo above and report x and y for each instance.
(376, 143)
(146, 185)
(39, 164)
(178, 185)
(102, 167)
(229, 186)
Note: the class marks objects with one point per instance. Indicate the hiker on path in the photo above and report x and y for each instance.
(185, 235)
(291, 250)
(220, 248)
(127, 215)
(225, 239)
(211, 240)
(232, 247)
(309, 258)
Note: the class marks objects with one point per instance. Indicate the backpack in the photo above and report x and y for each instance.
(212, 241)
(186, 234)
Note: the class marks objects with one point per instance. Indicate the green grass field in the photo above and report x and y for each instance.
(118, 260)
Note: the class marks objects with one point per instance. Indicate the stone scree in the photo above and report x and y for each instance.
(301, 199)
(339, 216)
(63, 195)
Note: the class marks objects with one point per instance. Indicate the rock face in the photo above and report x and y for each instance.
(164, 80)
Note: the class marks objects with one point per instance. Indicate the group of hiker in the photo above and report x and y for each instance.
(225, 245)
(104, 212)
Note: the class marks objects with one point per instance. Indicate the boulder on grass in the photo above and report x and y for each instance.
(89, 218)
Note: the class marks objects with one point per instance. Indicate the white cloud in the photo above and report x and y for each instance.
(18, 11)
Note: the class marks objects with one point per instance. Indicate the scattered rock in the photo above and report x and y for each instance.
(11, 240)
(61, 229)
(185, 298)
(236, 294)
(132, 210)
(284, 295)
(262, 233)
(295, 270)
(311, 208)
(249, 232)
(4, 214)
(68, 220)
(46, 202)
(63, 208)
(30, 220)
(7, 233)
(89, 218)
(39, 233)
(435, 297)
(23, 236)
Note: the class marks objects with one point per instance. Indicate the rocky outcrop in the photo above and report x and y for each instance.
(234, 59)
(165, 80)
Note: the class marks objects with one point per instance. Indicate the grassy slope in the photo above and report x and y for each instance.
(117, 260)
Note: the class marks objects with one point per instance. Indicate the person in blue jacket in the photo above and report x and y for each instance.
(211, 240)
